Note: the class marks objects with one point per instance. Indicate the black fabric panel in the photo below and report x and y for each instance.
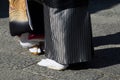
(17, 28)
(66, 3)
(37, 20)
(36, 15)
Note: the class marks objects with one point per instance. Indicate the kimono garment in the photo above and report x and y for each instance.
(68, 35)
(24, 17)
(26, 22)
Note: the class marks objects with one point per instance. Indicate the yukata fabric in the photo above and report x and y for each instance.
(25, 16)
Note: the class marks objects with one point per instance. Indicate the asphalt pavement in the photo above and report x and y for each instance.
(17, 63)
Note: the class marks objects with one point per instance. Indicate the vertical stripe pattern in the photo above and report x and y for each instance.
(68, 34)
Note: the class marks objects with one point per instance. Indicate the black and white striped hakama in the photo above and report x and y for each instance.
(68, 35)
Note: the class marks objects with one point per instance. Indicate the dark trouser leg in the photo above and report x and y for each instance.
(68, 34)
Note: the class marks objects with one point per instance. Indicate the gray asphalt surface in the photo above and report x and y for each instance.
(17, 63)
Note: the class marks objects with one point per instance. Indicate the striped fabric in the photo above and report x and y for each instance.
(68, 36)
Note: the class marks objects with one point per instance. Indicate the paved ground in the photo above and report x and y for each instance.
(18, 64)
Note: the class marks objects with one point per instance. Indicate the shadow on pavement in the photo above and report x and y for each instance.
(98, 5)
(4, 8)
(109, 56)
(102, 57)
(105, 57)
(106, 40)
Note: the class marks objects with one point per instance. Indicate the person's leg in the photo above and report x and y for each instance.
(22, 15)
(32, 42)
(68, 36)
